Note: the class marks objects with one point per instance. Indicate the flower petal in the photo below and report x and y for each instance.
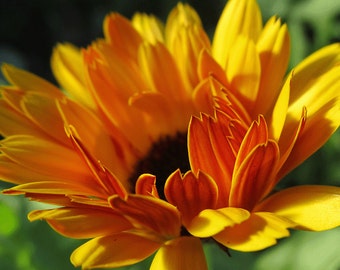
(82, 222)
(149, 27)
(14, 122)
(255, 176)
(239, 18)
(160, 71)
(159, 110)
(32, 106)
(110, 76)
(325, 118)
(185, 39)
(258, 232)
(48, 156)
(315, 86)
(149, 213)
(146, 185)
(182, 16)
(311, 207)
(105, 179)
(190, 193)
(29, 82)
(113, 251)
(312, 67)
(52, 188)
(108, 149)
(210, 222)
(277, 118)
(207, 136)
(65, 62)
(170, 255)
(273, 48)
(243, 71)
(255, 167)
(121, 35)
(15, 173)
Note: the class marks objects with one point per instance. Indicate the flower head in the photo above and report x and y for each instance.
(150, 101)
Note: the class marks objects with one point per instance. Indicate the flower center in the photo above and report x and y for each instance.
(165, 156)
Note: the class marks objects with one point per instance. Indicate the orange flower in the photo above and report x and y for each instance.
(110, 149)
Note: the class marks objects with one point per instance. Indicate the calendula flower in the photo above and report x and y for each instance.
(110, 148)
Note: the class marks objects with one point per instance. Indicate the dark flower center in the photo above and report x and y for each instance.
(165, 156)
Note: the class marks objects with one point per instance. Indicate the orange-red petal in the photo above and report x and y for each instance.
(149, 213)
(82, 222)
(190, 193)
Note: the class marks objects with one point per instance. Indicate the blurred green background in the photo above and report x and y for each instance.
(28, 32)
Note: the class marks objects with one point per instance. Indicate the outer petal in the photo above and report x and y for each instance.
(67, 66)
(210, 222)
(109, 75)
(182, 16)
(160, 71)
(180, 254)
(149, 27)
(82, 222)
(48, 157)
(100, 144)
(33, 105)
(14, 122)
(315, 85)
(113, 251)
(311, 207)
(313, 66)
(258, 232)
(238, 18)
(15, 173)
(325, 121)
(185, 39)
(243, 71)
(62, 187)
(24, 115)
(277, 118)
(273, 47)
(191, 194)
(120, 33)
(149, 213)
(29, 82)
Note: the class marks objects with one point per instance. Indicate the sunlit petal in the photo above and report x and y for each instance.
(170, 255)
(65, 62)
(210, 222)
(244, 71)
(311, 207)
(125, 249)
(239, 18)
(149, 27)
(260, 231)
(273, 47)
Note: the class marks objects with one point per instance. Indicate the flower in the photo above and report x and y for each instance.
(109, 149)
